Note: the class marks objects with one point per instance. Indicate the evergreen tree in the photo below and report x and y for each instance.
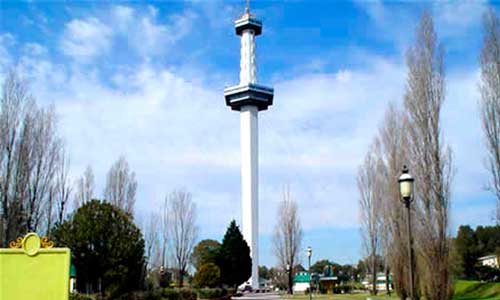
(107, 248)
(234, 258)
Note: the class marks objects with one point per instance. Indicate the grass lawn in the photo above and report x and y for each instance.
(464, 290)
(471, 290)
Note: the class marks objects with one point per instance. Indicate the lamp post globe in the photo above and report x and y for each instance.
(406, 184)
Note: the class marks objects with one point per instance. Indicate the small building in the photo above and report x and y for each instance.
(72, 279)
(489, 260)
(380, 284)
(301, 282)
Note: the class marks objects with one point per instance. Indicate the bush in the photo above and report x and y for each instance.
(78, 296)
(207, 276)
(181, 294)
(343, 288)
(150, 295)
(216, 293)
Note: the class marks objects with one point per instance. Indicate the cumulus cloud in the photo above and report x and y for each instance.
(84, 39)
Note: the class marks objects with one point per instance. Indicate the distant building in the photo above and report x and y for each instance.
(489, 260)
(301, 282)
(381, 279)
(72, 279)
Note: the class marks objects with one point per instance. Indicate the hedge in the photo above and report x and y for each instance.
(214, 293)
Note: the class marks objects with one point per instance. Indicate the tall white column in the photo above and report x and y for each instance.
(250, 185)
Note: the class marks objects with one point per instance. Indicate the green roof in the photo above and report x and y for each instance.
(72, 271)
(302, 277)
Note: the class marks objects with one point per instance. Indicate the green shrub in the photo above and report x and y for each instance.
(149, 295)
(178, 294)
(343, 288)
(215, 293)
(208, 275)
(78, 296)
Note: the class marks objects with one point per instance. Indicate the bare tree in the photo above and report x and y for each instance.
(394, 239)
(490, 101)
(63, 187)
(287, 237)
(164, 232)
(29, 156)
(121, 186)
(370, 189)
(182, 230)
(84, 188)
(151, 239)
(431, 161)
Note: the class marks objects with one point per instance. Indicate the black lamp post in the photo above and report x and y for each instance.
(406, 191)
(289, 277)
(309, 253)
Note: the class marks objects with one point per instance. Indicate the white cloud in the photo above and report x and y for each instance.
(145, 34)
(84, 39)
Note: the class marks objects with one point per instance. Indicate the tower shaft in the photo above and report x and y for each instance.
(249, 185)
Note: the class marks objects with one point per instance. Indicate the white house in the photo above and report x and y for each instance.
(489, 260)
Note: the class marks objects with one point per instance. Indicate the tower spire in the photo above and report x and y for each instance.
(247, 7)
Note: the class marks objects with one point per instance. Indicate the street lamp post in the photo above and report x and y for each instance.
(309, 253)
(406, 191)
(289, 277)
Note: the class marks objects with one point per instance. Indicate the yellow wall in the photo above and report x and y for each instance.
(33, 270)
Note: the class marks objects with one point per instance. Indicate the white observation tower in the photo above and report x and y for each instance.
(249, 98)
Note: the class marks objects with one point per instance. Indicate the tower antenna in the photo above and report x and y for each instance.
(247, 8)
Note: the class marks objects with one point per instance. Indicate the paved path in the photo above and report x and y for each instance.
(258, 296)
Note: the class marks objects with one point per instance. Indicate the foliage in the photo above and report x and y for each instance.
(107, 248)
(208, 275)
(216, 293)
(264, 272)
(343, 289)
(78, 296)
(205, 252)
(471, 244)
(178, 294)
(234, 258)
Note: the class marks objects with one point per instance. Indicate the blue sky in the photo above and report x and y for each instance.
(146, 80)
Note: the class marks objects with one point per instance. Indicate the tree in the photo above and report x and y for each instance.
(394, 238)
(320, 265)
(121, 186)
(431, 159)
(466, 247)
(264, 272)
(287, 237)
(107, 248)
(208, 275)
(30, 151)
(183, 230)
(62, 187)
(205, 252)
(371, 190)
(84, 188)
(490, 101)
(151, 239)
(234, 258)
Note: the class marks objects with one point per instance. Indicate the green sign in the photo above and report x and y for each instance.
(32, 269)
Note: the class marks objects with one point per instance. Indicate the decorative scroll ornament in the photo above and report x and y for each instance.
(31, 243)
(46, 243)
(17, 243)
